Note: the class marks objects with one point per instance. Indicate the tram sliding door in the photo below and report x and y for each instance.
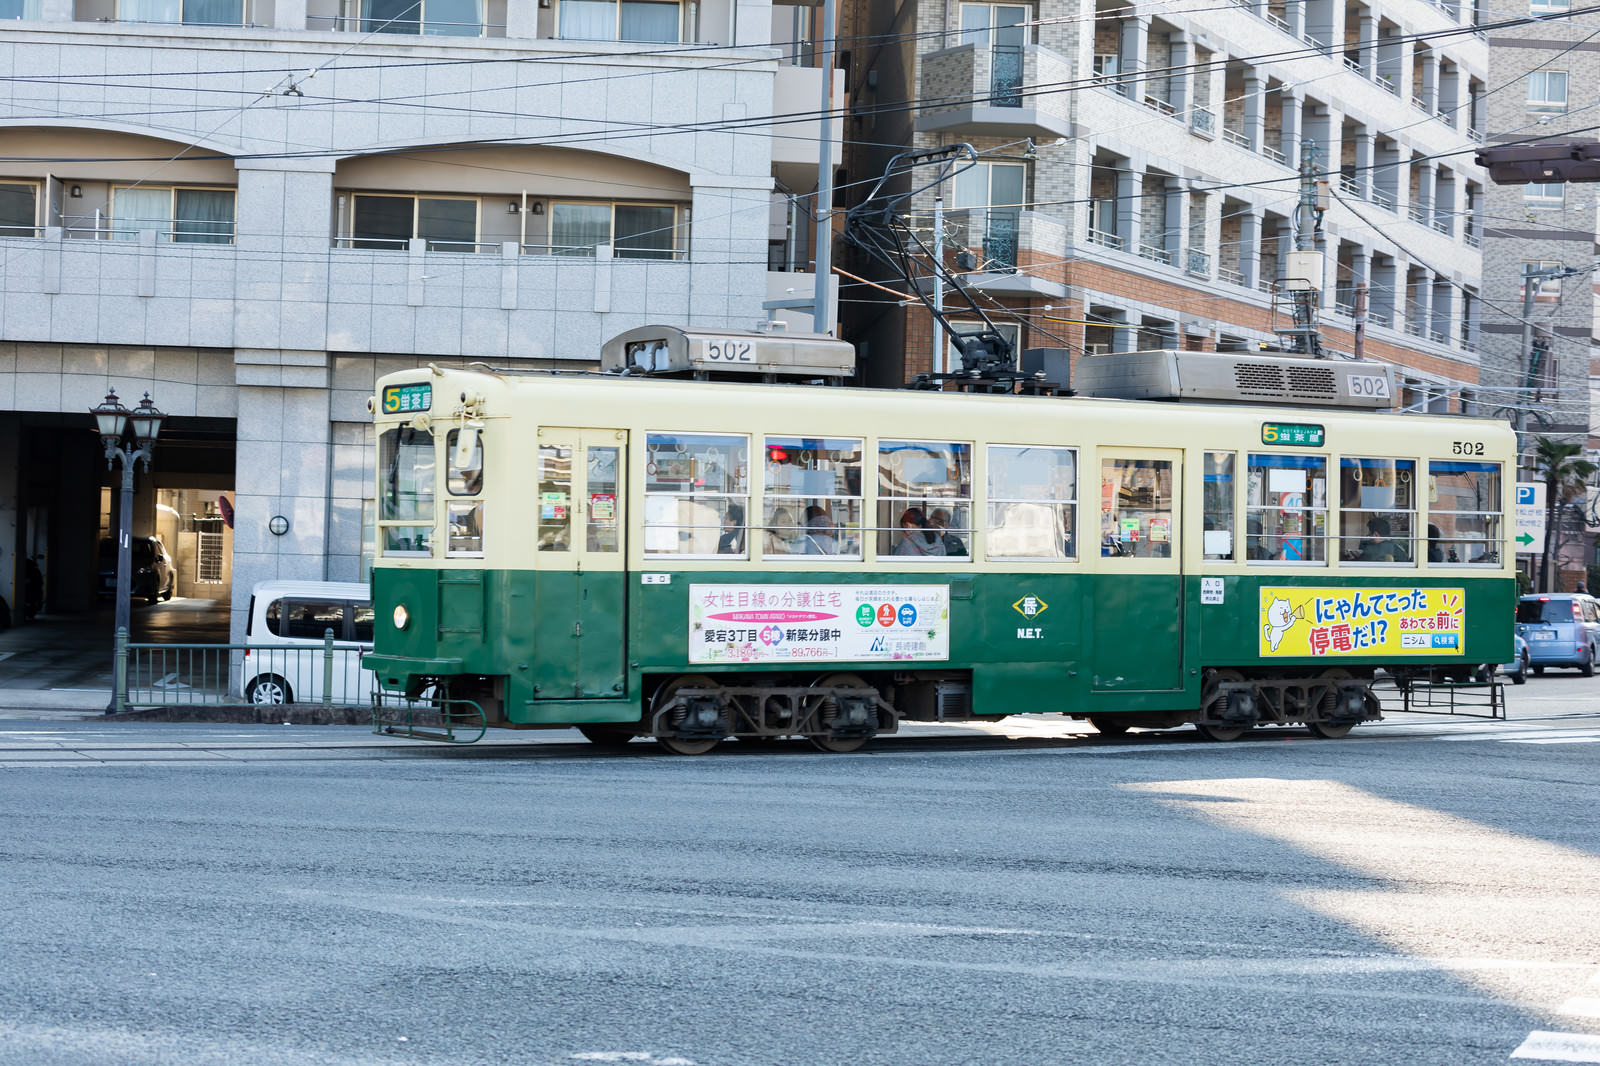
(579, 617)
(1135, 607)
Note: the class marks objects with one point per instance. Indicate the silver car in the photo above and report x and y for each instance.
(1517, 668)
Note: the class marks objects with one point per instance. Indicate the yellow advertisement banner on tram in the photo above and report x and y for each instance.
(1351, 621)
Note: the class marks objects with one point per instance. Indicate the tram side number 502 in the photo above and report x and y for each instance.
(729, 350)
(1466, 447)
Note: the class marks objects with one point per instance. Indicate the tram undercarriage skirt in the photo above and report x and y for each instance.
(774, 711)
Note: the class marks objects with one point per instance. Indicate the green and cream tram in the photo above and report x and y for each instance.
(693, 561)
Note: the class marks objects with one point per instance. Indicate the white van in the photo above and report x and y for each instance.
(285, 662)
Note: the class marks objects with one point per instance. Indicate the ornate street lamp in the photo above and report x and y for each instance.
(112, 422)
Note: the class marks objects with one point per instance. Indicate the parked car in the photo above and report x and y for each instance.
(1517, 668)
(1562, 629)
(154, 577)
(286, 630)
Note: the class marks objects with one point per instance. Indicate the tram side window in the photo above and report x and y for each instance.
(812, 498)
(464, 463)
(1033, 502)
(696, 494)
(405, 506)
(1136, 508)
(463, 452)
(1464, 519)
(924, 499)
(1286, 508)
(1378, 510)
(1218, 518)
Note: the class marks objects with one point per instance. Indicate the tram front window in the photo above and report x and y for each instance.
(924, 499)
(1136, 508)
(405, 511)
(1286, 509)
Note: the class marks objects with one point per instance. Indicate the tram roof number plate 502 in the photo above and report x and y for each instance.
(1293, 433)
(406, 399)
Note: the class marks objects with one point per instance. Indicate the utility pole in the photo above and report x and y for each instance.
(1303, 278)
(1530, 288)
(938, 283)
(822, 304)
(1361, 320)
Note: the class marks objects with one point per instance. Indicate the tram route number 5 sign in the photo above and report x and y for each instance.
(818, 623)
(1529, 532)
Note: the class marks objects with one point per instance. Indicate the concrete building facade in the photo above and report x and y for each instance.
(1551, 71)
(1140, 171)
(253, 208)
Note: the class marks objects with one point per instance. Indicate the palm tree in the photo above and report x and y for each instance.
(1566, 477)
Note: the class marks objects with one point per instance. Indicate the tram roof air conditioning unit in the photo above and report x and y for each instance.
(1228, 377)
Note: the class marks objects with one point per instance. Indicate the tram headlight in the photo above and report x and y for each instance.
(401, 616)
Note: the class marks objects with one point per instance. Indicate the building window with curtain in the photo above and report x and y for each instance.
(632, 231)
(182, 12)
(179, 215)
(992, 194)
(649, 21)
(19, 209)
(1547, 91)
(19, 9)
(430, 18)
(447, 223)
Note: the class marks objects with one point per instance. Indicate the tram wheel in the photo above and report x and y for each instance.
(1111, 727)
(1327, 728)
(604, 736)
(686, 746)
(1330, 730)
(663, 696)
(837, 745)
(825, 713)
(1213, 730)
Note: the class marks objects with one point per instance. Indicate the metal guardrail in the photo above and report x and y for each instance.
(1479, 696)
(242, 675)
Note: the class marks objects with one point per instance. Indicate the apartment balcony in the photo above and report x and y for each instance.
(1017, 251)
(292, 294)
(983, 90)
(797, 91)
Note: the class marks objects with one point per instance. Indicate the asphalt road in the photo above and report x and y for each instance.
(1422, 892)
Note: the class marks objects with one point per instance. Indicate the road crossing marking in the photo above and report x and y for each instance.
(1559, 1047)
(1580, 1007)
